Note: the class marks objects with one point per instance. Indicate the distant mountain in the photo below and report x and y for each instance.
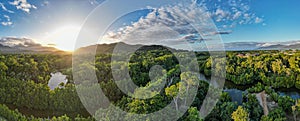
(5, 49)
(109, 48)
(32, 50)
(236, 46)
(263, 45)
(25, 45)
(101, 48)
(295, 46)
(233, 46)
(281, 47)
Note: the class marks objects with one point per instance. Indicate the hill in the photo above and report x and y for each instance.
(30, 50)
(109, 48)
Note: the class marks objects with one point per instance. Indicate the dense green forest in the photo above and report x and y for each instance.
(24, 90)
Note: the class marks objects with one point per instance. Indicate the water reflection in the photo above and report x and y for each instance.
(57, 79)
(236, 91)
(236, 95)
(292, 94)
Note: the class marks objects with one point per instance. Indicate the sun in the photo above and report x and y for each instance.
(64, 38)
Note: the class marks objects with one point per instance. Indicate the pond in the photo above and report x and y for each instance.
(234, 91)
(56, 79)
(236, 95)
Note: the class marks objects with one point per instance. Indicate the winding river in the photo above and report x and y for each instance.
(236, 91)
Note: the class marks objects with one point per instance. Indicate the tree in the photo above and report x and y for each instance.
(173, 91)
(190, 80)
(297, 83)
(296, 110)
(240, 114)
(193, 115)
(276, 114)
(3, 69)
(226, 109)
(286, 103)
(253, 106)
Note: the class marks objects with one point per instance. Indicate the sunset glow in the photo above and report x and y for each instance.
(64, 38)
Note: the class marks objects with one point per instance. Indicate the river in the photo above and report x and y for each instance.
(236, 91)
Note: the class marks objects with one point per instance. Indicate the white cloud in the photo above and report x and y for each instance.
(174, 21)
(169, 25)
(7, 22)
(45, 3)
(258, 20)
(237, 15)
(18, 42)
(23, 5)
(7, 17)
(261, 45)
(238, 12)
(95, 2)
(220, 12)
(221, 15)
(5, 9)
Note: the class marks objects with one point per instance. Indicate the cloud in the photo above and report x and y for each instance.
(14, 44)
(168, 25)
(258, 20)
(237, 15)
(18, 42)
(192, 37)
(5, 9)
(263, 45)
(52, 45)
(7, 17)
(221, 15)
(45, 3)
(95, 2)
(23, 5)
(223, 32)
(8, 22)
(229, 13)
(220, 33)
(19, 4)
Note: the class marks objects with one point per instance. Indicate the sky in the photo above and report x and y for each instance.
(57, 22)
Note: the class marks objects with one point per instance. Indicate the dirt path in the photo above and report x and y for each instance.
(261, 97)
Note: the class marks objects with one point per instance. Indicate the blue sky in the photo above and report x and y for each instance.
(281, 18)
(269, 20)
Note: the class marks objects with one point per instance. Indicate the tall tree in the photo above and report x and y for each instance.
(240, 114)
